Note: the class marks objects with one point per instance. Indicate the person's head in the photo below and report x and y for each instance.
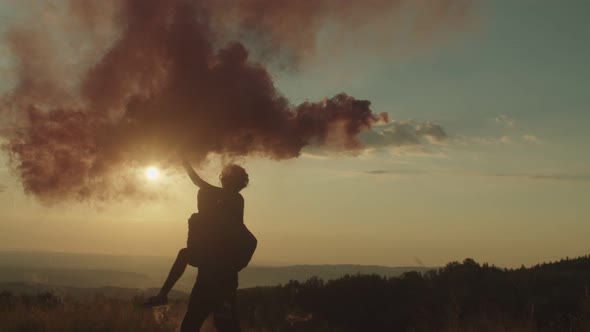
(234, 177)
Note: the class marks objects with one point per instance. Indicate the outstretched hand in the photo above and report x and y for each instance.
(197, 180)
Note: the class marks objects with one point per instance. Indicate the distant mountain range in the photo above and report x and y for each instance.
(71, 272)
(32, 288)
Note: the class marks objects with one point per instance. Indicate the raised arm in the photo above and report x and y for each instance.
(197, 180)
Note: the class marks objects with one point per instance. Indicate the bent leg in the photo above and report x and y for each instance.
(175, 272)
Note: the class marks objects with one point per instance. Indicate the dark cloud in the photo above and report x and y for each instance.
(287, 30)
(10, 132)
(377, 172)
(177, 77)
(387, 171)
(5, 132)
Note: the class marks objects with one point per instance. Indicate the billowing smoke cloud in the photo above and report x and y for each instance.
(172, 76)
(289, 29)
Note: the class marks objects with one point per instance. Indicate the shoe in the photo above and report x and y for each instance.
(155, 301)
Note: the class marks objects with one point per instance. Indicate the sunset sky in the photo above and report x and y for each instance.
(509, 186)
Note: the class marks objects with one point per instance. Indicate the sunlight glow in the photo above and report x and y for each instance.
(152, 173)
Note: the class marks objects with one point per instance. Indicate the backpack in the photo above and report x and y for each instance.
(210, 243)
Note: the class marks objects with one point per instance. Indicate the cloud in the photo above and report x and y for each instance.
(531, 138)
(179, 76)
(502, 140)
(385, 172)
(5, 132)
(531, 176)
(505, 120)
(397, 137)
(10, 131)
(543, 176)
(288, 30)
(404, 133)
(377, 172)
(505, 140)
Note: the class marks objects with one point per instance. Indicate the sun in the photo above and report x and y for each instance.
(152, 173)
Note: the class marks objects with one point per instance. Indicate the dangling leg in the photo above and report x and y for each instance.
(175, 273)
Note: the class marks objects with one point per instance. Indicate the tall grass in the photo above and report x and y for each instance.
(46, 312)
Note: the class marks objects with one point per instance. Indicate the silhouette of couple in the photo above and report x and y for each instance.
(220, 245)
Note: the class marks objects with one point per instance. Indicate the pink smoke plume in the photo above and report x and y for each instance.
(175, 78)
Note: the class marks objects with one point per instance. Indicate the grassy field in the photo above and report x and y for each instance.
(461, 297)
(45, 312)
(48, 313)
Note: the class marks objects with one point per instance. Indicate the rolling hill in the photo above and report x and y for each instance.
(144, 272)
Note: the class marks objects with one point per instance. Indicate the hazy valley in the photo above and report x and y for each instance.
(30, 271)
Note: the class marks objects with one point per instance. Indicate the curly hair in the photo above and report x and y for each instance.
(234, 177)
